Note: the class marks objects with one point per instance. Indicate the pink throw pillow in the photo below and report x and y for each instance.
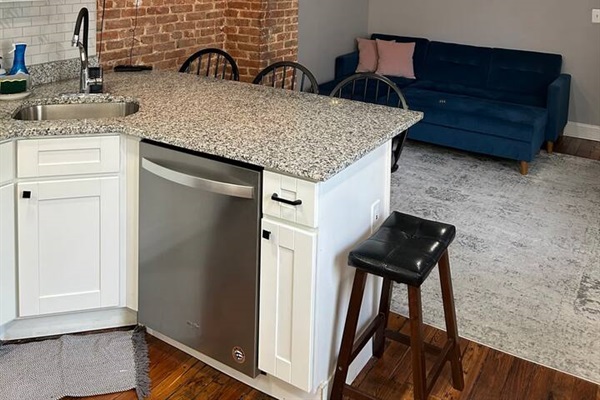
(367, 55)
(395, 59)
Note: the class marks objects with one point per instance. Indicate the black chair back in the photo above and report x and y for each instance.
(212, 62)
(372, 88)
(288, 75)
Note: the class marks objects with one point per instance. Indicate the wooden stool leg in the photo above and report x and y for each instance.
(416, 342)
(384, 309)
(451, 326)
(343, 362)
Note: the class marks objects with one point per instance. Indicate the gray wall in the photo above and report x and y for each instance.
(326, 29)
(557, 26)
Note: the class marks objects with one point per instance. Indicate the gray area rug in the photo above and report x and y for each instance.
(526, 260)
(75, 365)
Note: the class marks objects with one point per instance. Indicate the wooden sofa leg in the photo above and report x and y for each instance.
(549, 147)
(524, 167)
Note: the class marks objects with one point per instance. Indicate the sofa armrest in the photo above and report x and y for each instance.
(346, 64)
(558, 106)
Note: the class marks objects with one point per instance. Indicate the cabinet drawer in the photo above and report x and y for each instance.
(67, 156)
(7, 162)
(286, 188)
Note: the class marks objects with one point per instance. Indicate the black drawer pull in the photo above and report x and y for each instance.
(26, 194)
(286, 201)
(266, 234)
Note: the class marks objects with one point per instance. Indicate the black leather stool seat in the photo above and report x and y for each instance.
(404, 249)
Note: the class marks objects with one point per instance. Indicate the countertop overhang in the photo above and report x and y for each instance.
(300, 134)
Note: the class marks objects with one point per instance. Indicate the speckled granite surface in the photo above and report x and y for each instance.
(57, 70)
(300, 134)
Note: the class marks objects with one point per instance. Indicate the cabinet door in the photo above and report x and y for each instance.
(287, 289)
(8, 279)
(68, 245)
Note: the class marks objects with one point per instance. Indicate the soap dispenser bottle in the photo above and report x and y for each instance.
(19, 61)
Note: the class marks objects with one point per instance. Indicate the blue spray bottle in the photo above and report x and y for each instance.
(19, 61)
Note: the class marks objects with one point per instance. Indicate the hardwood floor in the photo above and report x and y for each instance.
(489, 374)
(578, 147)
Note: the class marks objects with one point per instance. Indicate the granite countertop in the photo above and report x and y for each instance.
(300, 134)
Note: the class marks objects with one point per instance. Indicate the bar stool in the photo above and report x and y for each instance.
(404, 249)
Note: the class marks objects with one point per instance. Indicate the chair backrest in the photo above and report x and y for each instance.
(212, 62)
(288, 75)
(372, 88)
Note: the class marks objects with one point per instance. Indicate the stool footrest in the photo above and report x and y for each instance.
(364, 338)
(405, 340)
(437, 367)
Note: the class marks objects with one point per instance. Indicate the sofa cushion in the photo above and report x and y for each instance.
(512, 121)
(367, 55)
(395, 59)
(523, 71)
(421, 45)
(458, 64)
(531, 99)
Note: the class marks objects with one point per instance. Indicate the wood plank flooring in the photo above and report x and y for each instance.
(578, 147)
(489, 374)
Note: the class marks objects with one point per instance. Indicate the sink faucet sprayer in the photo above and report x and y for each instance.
(90, 80)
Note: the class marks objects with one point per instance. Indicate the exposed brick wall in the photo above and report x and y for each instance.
(255, 32)
(281, 31)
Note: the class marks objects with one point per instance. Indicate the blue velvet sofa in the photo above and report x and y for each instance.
(499, 102)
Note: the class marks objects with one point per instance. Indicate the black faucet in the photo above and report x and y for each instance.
(90, 79)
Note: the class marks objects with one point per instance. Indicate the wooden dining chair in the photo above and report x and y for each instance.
(288, 75)
(374, 88)
(212, 62)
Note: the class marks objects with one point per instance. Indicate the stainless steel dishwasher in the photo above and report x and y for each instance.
(199, 253)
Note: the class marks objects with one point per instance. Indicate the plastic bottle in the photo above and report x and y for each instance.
(19, 61)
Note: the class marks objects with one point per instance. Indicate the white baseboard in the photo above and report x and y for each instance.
(58, 324)
(583, 131)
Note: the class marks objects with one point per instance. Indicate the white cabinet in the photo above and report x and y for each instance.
(304, 278)
(288, 261)
(8, 282)
(68, 218)
(279, 190)
(68, 156)
(68, 245)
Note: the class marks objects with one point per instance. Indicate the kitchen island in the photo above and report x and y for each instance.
(299, 134)
(332, 153)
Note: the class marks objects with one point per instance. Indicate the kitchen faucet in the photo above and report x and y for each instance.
(90, 78)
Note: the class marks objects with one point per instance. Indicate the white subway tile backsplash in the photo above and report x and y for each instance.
(32, 31)
(39, 59)
(21, 22)
(46, 26)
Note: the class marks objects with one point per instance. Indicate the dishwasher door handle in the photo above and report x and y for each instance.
(229, 189)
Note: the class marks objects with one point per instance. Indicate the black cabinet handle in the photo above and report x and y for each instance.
(286, 201)
(266, 234)
(26, 194)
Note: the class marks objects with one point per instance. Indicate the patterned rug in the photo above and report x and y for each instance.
(75, 365)
(526, 259)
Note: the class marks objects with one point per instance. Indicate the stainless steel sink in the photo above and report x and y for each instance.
(76, 111)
